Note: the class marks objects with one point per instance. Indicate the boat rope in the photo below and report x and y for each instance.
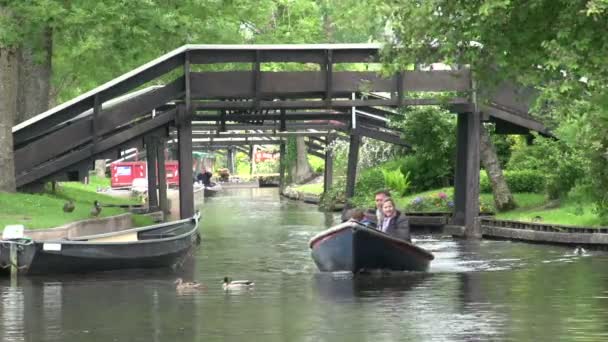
(10, 264)
(21, 242)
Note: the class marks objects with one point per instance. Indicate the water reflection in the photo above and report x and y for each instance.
(344, 286)
(13, 313)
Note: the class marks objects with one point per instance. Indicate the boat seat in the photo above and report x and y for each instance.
(130, 237)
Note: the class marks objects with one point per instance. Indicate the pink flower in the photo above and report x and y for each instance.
(442, 195)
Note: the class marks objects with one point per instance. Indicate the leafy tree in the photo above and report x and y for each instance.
(559, 46)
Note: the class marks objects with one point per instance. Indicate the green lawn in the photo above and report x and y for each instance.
(568, 214)
(315, 189)
(530, 205)
(36, 211)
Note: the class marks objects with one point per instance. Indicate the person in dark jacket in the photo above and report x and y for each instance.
(363, 217)
(204, 177)
(394, 222)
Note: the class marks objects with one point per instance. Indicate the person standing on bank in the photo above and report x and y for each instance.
(394, 223)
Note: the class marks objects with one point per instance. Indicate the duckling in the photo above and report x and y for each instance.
(96, 209)
(68, 207)
(181, 285)
(236, 284)
(580, 251)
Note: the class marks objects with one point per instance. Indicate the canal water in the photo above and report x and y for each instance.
(474, 291)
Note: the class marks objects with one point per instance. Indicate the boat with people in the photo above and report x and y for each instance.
(353, 246)
(155, 246)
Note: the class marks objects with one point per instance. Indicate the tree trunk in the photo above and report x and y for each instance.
(301, 171)
(503, 199)
(100, 168)
(8, 107)
(34, 74)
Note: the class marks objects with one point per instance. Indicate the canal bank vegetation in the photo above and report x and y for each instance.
(45, 210)
(550, 180)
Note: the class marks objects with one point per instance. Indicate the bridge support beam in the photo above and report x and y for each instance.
(162, 178)
(282, 167)
(230, 159)
(329, 167)
(466, 177)
(251, 159)
(351, 172)
(186, 180)
(151, 154)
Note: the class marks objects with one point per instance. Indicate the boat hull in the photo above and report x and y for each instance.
(355, 248)
(165, 245)
(212, 190)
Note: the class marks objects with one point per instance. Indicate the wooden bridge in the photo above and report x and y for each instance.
(213, 108)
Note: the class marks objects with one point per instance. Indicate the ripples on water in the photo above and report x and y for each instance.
(474, 291)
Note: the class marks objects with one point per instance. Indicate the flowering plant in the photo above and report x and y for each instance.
(434, 202)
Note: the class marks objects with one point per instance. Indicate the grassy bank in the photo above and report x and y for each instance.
(532, 206)
(45, 210)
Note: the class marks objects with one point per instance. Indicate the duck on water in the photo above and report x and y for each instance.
(180, 284)
(230, 284)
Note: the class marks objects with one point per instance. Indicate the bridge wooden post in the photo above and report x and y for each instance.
(466, 177)
(353, 157)
(162, 178)
(282, 166)
(151, 154)
(230, 160)
(186, 180)
(329, 165)
(251, 159)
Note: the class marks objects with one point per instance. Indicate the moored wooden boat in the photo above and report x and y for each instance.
(156, 246)
(351, 246)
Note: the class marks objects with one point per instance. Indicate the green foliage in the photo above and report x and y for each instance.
(317, 164)
(560, 164)
(503, 144)
(556, 46)
(242, 163)
(370, 181)
(396, 181)
(518, 181)
(268, 166)
(430, 131)
(424, 175)
(333, 196)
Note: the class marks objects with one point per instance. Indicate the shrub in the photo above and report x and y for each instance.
(334, 195)
(560, 164)
(525, 181)
(424, 174)
(370, 181)
(396, 181)
(518, 181)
